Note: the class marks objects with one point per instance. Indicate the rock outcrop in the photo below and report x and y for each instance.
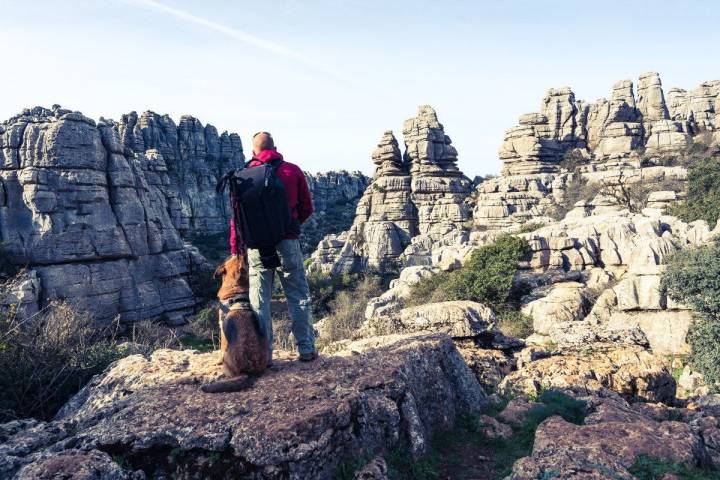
(634, 373)
(298, 421)
(605, 135)
(438, 187)
(97, 217)
(335, 197)
(614, 436)
(415, 196)
(189, 159)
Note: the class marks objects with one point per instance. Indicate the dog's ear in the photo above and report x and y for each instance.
(220, 271)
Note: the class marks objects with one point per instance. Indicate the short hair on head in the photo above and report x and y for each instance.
(263, 141)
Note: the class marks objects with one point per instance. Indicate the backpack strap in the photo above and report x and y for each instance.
(276, 162)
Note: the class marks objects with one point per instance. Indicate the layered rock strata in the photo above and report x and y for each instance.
(95, 210)
(385, 219)
(438, 187)
(608, 134)
(296, 422)
(417, 197)
(192, 157)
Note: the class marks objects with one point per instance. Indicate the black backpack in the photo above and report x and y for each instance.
(258, 198)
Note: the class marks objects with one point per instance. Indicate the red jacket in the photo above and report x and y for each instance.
(296, 189)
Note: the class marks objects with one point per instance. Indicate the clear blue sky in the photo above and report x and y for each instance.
(328, 77)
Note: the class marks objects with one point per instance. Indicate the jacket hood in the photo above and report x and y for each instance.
(267, 155)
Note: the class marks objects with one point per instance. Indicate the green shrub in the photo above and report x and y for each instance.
(703, 193)
(324, 288)
(530, 227)
(430, 289)
(693, 278)
(487, 277)
(704, 338)
(651, 468)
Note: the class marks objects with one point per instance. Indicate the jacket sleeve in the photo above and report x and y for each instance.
(305, 204)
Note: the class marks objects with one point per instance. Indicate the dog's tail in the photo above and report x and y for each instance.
(234, 384)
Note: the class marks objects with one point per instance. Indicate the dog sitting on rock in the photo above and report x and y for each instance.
(244, 346)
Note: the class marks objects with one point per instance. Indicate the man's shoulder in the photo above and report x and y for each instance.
(291, 167)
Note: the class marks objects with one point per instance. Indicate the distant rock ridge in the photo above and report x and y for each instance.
(609, 129)
(610, 135)
(195, 157)
(335, 197)
(420, 192)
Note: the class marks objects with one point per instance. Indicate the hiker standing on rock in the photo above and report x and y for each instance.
(286, 256)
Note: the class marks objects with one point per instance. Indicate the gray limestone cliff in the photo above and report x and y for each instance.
(96, 210)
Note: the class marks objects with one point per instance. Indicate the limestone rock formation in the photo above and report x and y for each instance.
(605, 135)
(416, 197)
(634, 373)
(298, 421)
(189, 159)
(96, 223)
(335, 196)
(459, 319)
(385, 219)
(439, 188)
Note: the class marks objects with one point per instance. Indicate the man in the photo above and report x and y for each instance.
(292, 268)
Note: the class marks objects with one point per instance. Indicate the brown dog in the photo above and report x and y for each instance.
(244, 347)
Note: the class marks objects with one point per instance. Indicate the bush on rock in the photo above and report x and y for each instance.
(487, 277)
(693, 278)
(703, 193)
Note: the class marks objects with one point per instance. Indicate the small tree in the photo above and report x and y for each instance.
(630, 195)
(703, 193)
(693, 277)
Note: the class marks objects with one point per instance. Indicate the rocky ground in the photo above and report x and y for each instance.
(148, 417)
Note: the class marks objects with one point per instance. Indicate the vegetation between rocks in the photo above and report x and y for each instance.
(48, 357)
(467, 452)
(703, 193)
(651, 468)
(487, 277)
(693, 278)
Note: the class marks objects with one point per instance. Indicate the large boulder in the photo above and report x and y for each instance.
(459, 319)
(634, 373)
(614, 436)
(298, 421)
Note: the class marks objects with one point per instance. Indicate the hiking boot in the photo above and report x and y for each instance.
(308, 357)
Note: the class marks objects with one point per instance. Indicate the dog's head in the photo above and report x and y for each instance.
(235, 277)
